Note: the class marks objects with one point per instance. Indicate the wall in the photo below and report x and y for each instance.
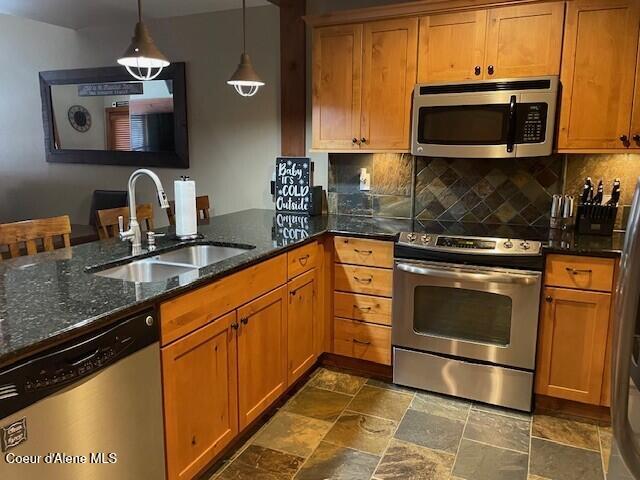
(233, 141)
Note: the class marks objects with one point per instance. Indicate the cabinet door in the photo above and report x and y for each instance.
(262, 354)
(200, 396)
(388, 78)
(337, 64)
(301, 319)
(451, 46)
(572, 344)
(598, 68)
(635, 117)
(524, 41)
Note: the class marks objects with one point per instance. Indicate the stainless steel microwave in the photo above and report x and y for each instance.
(491, 119)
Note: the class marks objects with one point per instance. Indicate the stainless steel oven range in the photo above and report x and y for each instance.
(465, 316)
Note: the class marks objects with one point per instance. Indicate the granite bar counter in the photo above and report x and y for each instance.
(50, 297)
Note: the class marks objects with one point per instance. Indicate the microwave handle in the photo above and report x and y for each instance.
(511, 131)
(464, 274)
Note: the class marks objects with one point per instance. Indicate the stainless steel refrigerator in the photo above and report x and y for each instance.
(624, 463)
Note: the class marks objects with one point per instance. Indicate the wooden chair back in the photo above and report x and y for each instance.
(31, 236)
(202, 208)
(108, 219)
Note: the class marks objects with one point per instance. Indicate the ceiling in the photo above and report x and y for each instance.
(78, 14)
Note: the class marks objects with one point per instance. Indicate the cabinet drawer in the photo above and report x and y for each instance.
(184, 314)
(584, 273)
(368, 280)
(359, 251)
(302, 259)
(362, 307)
(362, 340)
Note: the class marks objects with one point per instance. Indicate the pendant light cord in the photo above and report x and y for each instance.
(244, 27)
(140, 11)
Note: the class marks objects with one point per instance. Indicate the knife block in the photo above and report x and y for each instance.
(596, 219)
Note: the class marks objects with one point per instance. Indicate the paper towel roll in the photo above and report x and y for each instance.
(186, 215)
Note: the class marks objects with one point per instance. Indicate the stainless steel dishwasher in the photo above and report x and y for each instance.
(89, 409)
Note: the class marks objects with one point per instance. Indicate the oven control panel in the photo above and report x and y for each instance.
(471, 245)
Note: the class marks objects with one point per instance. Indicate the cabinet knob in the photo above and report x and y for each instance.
(244, 321)
(354, 140)
(235, 325)
(490, 69)
(363, 140)
(548, 299)
(477, 70)
(636, 137)
(625, 140)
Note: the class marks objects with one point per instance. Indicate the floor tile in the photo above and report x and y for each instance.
(606, 436)
(293, 434)
(563, 430)
(477, 461)
(441, 405)
(508, 412)
(257, 462)
(389, 386)
(560, 462)
(337, 381)
(498, 430)
(318, 403)
(362, 432)
(381, 403)
(430, 431)
(338, 463)
(412, 462)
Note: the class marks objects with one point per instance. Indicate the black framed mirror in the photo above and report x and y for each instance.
(104, 116)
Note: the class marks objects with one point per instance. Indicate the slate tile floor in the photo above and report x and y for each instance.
(347, 427)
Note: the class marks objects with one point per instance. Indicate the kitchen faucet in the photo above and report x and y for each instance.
(133, 234)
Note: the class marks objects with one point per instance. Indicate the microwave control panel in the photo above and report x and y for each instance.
(531, 122)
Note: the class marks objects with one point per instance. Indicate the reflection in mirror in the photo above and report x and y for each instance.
(126, 116)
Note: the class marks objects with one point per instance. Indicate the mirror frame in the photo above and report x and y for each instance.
(177, 159)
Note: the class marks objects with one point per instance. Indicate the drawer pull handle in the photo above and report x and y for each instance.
(363, 252)
(362, 309)
(361, 342)
(574, 271)
(363, 280)
(303, 260)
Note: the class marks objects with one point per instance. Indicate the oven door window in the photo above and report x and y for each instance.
(470, 315)
(464, 124)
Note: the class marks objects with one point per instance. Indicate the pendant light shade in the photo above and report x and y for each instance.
(245, 79)
(142, 59)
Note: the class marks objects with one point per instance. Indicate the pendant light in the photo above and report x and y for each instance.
(245, 79)
(142, 58)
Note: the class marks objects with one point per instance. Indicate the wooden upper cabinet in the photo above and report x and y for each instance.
(301, 316)
(200, 397)
(524, 41)
(635, 117)
(573, 339)
(337, 63)
(388, 77)
(262, 354)
(451, 46)
(598, 71)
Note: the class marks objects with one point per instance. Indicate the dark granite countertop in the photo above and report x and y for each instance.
(570, 243)
(49, 298)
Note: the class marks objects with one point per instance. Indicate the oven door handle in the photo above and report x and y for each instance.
(478, 276)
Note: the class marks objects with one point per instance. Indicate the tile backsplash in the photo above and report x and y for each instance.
(500, 191)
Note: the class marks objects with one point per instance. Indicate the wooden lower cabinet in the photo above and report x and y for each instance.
(353, 338)
(262, 354)
(200, 396)
(301, 325)
(574, 327)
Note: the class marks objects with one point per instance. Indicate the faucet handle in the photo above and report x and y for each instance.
(121, 224)
(151, 240)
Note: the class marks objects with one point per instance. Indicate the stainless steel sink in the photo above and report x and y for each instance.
(200, 255)
(146, 270)
(171, 264)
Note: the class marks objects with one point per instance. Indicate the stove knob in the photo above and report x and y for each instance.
(426, 238)
(507, 244)
(525, 245)
(411, 237)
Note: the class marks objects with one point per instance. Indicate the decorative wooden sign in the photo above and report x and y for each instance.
(108, 89)
(293, 184)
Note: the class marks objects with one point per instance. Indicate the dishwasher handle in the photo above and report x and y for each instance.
(477, 275)
(27, 382)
